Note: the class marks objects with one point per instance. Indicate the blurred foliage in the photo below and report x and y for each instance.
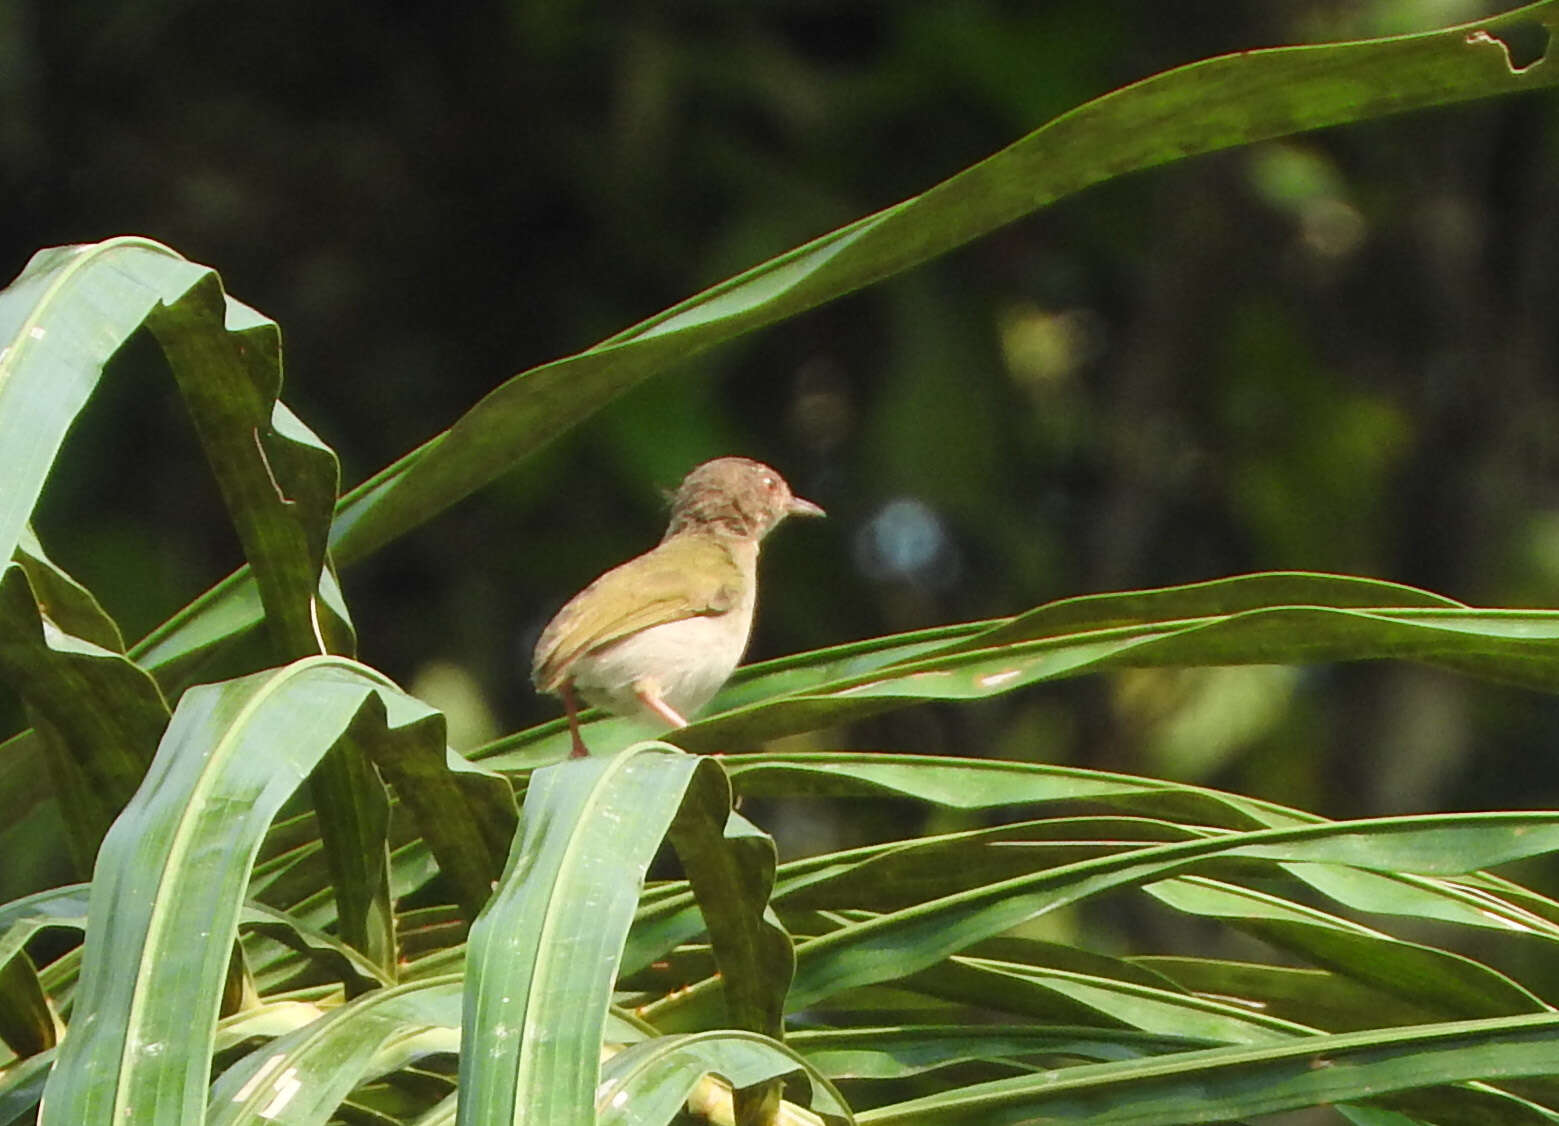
(1334, 351)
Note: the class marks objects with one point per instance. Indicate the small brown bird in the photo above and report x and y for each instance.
(657, 636)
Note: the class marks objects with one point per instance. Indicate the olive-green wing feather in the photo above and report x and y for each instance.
(682, 578)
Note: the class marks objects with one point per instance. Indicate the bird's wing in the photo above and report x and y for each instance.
(682, 578)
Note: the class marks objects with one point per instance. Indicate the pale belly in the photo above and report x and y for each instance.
(691, 659)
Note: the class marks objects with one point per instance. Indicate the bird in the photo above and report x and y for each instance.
(657, 636)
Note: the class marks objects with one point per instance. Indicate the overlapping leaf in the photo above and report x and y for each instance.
(1229, 1083)
(171, 880)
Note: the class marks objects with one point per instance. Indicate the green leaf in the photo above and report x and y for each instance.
(72, 308)
(543, 955)
(65, 602)
(353, 817)
(64, 315)
(958, 783)
(1439, 982)
(171, 879)
(730, 864)
(648, 1083)
(465, 813)
(912, 871)
(889, 946)
(1515, 646)
(1318, 998)
(28, 1024)
(22, 918)
(1220, 1084)
(1445, 900)
(894, 1053)
(1268, 618)
(99, 715)
(1059, 996)
(1216, 598)
(21, 1088)
(344, 964)
(277, 478)
(302, 1077)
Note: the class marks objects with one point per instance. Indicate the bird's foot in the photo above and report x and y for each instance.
(648, 693)
(571, 706)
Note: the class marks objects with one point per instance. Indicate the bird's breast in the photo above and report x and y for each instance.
(688, 660)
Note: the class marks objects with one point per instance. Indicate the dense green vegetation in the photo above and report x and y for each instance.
(299, 905)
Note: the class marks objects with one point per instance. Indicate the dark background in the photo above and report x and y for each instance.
(1333, 352)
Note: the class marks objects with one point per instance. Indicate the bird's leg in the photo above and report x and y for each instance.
(648, 693)
(571, 706)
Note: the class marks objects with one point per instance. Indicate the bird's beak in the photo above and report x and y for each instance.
(799, 507)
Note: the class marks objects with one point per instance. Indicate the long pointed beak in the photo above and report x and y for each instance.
(799, 507)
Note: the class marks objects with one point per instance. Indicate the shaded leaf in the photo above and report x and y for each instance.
(730, 864)
(277, 478)
(28, 1024)
(465, 813)
(893, 1053)
(103, 714)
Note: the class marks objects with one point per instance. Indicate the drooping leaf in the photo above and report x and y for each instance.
(277, 478)
(171, 880)
(72, 308)
(465, 813)
(99, 714)
(730, 865)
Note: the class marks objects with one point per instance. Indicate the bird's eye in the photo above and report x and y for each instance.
(770, 483)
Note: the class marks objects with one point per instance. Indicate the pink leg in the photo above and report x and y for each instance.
(648, 693)
(571, 706)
